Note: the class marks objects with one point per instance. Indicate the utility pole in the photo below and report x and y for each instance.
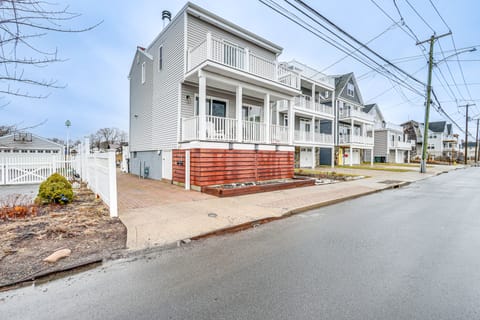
(423, 161)
(466, 130)
(476, 143)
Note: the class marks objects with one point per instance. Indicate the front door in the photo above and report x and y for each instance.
(167, 164)
(305, 157)
(305, 129)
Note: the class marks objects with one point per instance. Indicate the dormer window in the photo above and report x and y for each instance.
(350, 90)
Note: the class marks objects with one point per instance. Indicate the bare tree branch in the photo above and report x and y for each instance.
(22, 21)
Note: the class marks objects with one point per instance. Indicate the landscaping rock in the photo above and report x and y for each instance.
(57, 255)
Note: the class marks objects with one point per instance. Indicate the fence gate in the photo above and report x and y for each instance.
(32, 171)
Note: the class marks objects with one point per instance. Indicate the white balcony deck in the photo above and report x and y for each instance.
(225, 130)
(354, 139)
(346, 114)
(310, 137)
(219, 51)
(306, 103)
(404, 145)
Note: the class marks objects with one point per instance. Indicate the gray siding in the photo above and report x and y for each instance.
(166, 84)
(150, 159)
(355, 99)
(141, 104)
(197, 32)
(380, 147)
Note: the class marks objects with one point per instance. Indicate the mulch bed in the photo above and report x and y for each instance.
(83, 226)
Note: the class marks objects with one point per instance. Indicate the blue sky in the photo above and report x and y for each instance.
(95, 74)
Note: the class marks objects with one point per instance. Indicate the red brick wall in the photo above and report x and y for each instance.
(219, 166)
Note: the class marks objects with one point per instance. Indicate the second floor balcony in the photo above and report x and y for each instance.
(310, 137)
(348, 114)
(355, 139)
(405, 145)
(305, 102)
(241, 59)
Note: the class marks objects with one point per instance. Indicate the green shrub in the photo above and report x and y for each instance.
(56, 189)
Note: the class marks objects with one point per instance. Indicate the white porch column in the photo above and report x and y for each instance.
(333, 157)
(266, 116)
(291, 122)
(313, 129)
(396, 155)
(187, 170)
(373, 148)
(277, 113)
(371, 157)
(350, 156)
(202, 105)
(238, 112)
(313, 96)
(313, 158)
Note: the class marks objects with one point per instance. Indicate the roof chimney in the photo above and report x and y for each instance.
(166, 15)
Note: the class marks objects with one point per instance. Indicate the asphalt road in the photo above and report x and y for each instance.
(410, 253)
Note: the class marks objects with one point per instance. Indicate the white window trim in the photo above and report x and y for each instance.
(161, 57)
(144, 77)
(196, 96)
(352, 91)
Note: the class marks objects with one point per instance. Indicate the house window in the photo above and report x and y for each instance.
(252, 113)
(214, 107)
(143, 72)
(285, 120)
(350, 90)
(160, 58)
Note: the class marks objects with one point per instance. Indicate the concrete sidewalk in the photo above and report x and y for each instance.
(185, 214)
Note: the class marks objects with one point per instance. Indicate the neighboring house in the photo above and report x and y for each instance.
(390, 144)
(471, 145)
(442, 142)
(202, 93)
(24, 145)
(353, 133)
(313, 120)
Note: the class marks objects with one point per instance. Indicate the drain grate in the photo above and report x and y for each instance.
(390, 181)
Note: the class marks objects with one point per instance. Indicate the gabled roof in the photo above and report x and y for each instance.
(369, 107)
(8, 142)
(341, 82)
(438, 126)
(139, 50)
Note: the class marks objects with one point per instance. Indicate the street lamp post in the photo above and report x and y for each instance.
(68, 124)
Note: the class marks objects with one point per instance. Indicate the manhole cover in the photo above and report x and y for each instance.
(390, 181)
(212, 215)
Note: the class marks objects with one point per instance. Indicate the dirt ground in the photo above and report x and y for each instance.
(83, 226)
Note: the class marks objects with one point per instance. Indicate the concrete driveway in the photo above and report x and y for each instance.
(28, 191)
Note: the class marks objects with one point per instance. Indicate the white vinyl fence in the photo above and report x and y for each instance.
(97, 170)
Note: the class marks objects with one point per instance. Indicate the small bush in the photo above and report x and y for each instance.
(56, 189)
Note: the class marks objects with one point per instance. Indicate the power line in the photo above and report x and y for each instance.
(305, 25)
(419, 15)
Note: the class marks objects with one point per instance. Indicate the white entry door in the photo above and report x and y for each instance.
(167, 164)
(305, 128)
(305, 157)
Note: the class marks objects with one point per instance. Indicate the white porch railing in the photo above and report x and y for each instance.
(312, 137)
(402, 144)
(305, 102)
(225, 129)
(254, 132)
(279, 134)
(347, 139)
(351, 113)
(240, 58)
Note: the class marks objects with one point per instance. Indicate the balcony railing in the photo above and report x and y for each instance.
(305, 102)
(279, 134)
(225, 129)
(350, 139)
(241, 59)
(401, 144)
(351, 113)
(312, 137)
